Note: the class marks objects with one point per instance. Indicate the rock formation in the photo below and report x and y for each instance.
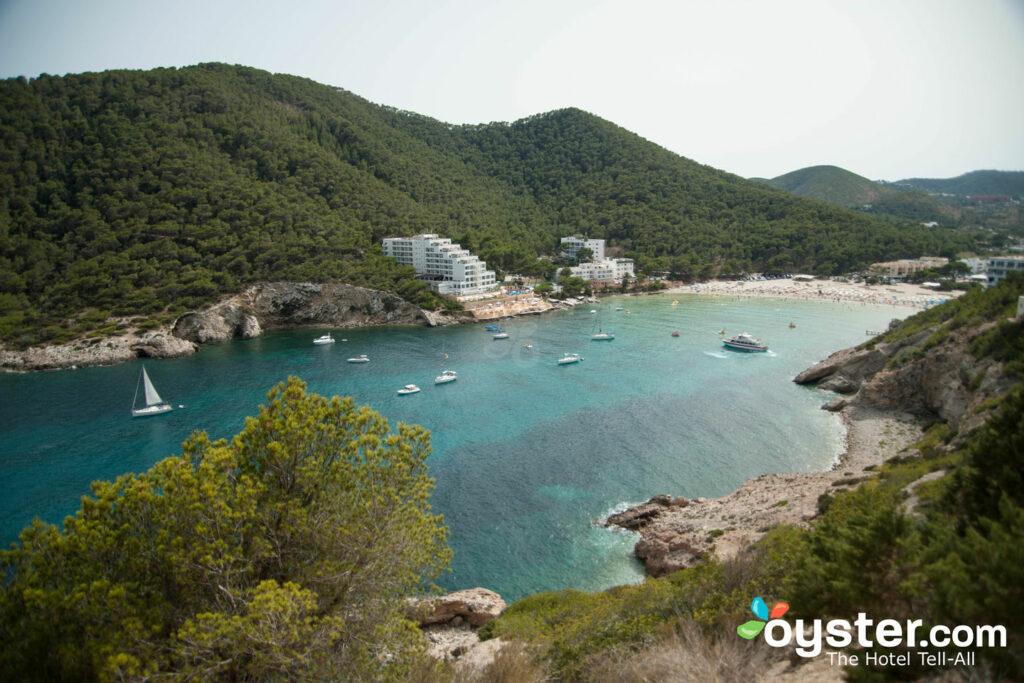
(262, 307)
(928, 374)
(887, 389)
(280, 305)
(96, 351)
(449, 623)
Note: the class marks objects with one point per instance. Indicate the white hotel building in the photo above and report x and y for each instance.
(1000, 266)
(600, 268)
(446, 267)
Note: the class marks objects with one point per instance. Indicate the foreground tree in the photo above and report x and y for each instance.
(285, 553)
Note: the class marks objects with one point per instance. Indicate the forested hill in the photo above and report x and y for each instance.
(1008, 183)
(844, 188)
(831, 184)
(151, 192)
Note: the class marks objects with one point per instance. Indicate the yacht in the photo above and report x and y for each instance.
(324, 339)
(408, 389)
(500, 334)
(446, 376)
(603, 336)
(569, 358)
(358, 359)
(744, 342)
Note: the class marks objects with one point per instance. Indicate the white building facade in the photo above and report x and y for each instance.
(606, 269)
(571, 247)
(446, 267)
(600, 268)
(1000, 266)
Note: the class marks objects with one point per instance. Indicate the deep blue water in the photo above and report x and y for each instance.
(526, 453)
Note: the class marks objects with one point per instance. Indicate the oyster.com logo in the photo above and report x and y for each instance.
(863, 632)
(753, 627)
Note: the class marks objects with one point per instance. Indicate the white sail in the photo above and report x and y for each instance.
(152, 398)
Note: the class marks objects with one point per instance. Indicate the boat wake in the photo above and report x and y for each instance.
(716, 355)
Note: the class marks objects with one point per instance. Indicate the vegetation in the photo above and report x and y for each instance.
(1009, 183)
(283, 554)
(130, 193)
(953, 558)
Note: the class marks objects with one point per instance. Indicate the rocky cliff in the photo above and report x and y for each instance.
(930, 374)
(278, 305)
(262, 307)
(887, 390)
(97, 351)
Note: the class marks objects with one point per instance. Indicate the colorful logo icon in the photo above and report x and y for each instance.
(753, 627)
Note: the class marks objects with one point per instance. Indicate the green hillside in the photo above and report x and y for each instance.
(149, 193)
(830, 184)
(1008, 183)
(843, 188)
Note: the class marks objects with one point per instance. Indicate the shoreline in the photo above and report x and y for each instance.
(897, 294)
(676, 534)
(162, 343)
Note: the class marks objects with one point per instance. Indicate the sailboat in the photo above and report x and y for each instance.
(601, 335)
(154, 404)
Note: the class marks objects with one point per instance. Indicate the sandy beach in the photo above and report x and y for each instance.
(896, 294)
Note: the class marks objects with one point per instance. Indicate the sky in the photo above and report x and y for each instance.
(888, 89)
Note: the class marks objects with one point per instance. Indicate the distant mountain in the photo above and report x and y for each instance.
(148, 193)
(843, 188)
(976, 183)
(830, 184)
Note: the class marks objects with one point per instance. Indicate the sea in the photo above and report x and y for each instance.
(528, 456)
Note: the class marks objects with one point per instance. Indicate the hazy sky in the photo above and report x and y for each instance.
(887, 89)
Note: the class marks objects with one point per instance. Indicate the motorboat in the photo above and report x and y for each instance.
(446, 376)
(408, 389)
(675, 333)
(358, 359)
(569, 358)
(324, 339)
(744, 342)
(501, 334)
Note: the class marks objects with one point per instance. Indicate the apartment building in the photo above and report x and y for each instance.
(447, 268)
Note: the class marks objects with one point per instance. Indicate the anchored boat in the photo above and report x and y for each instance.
(744, 342)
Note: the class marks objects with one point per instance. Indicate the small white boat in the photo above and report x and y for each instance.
(446, 376)
(603, 336)
(500, 335)
(744, 342)
(324, 339)
(358, 359)
(408, 389)
(154, 404)
(569, 358)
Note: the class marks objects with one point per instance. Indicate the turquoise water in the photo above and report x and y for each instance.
(526, 453)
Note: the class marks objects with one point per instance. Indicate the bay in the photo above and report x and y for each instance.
(527, 454)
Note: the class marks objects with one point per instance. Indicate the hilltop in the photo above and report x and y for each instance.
(975, 183)
(830, 184)
(142, 195)
(844, 188)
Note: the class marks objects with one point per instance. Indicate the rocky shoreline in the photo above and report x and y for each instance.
(887, 392)
(677, 533)
(257, 309)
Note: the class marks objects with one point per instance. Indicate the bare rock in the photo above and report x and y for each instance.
(217, 324)
(639, 516)
(474, 606)
(88, 352)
